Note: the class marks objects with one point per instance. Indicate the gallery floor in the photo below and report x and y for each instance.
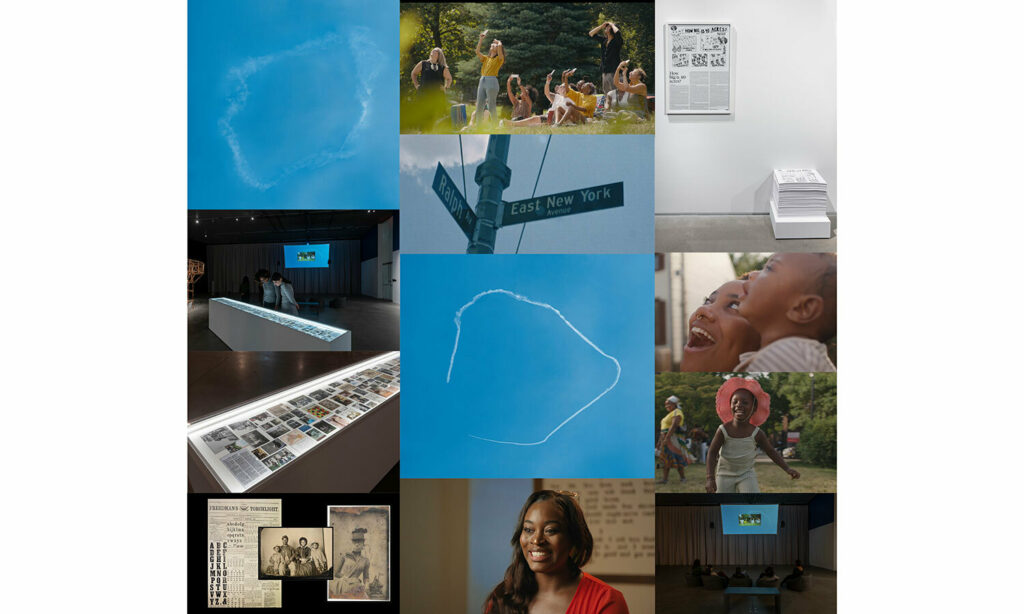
(374, 324)
(730, 233)
(674, 597)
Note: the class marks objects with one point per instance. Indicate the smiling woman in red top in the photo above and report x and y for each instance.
(550, 545)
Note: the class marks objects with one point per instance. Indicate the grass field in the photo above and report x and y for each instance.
(769, 477)
(598, 127)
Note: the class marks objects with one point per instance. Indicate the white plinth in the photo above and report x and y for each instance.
(802, 227)
(248, 328)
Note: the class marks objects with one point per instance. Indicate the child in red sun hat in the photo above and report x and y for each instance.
(743, 406)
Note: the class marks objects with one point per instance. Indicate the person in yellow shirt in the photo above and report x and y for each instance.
(581, 103)
(671, 447)
(487, 89)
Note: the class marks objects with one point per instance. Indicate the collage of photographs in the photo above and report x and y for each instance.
(332, 239)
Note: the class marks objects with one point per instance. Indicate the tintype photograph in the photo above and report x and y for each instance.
(288, 553)
(362, 567)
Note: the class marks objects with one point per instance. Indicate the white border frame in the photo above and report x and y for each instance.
(667, 59)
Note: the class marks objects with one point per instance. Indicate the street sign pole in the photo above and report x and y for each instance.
(493, 176)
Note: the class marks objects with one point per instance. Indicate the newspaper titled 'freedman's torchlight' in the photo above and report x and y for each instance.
(231, 536)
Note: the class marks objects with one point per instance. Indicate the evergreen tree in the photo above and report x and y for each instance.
(538, 38)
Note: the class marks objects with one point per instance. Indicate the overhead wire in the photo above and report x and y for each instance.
(543, 158)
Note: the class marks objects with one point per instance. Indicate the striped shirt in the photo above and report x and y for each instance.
(788, 354)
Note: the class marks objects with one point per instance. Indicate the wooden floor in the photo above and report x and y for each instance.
(672, 596)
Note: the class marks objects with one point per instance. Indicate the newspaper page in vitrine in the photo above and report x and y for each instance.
(699, 65)
(232, 530)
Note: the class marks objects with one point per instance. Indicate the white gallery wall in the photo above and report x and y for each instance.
(396, 286)
(821, 547)
(784, 107)
(370, 279)
(373, 280)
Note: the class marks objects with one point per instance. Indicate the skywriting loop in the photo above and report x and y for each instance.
(524, 299)
(367, 56)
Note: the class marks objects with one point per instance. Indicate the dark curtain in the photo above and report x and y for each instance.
(684, 534)
(227, 264)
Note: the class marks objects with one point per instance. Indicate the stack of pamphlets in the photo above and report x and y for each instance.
(799, 205)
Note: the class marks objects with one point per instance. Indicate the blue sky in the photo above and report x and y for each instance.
(292, 105)
(572, 162)
(520, 370)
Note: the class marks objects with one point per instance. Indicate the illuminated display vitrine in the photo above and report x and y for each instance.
(247, 444)
(246, 327)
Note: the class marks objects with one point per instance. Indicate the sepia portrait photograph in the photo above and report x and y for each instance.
(362, 565)
(288, 553)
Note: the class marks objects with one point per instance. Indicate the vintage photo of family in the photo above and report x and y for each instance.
(288, 553)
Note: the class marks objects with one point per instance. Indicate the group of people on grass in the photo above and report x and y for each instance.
(624, 92)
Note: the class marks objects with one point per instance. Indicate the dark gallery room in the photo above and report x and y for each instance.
(747, 553)
(293, 280)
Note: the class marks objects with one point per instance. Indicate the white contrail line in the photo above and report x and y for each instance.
(520, 297)
(367, 56)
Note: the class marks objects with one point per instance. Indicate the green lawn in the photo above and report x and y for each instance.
(599, 127)
(769, 477)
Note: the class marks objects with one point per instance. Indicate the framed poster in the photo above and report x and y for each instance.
(698, 67)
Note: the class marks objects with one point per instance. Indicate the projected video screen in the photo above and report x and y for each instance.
(750, 519)
(307, 256)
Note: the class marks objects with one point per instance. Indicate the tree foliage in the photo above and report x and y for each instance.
(790, 396)
(538, 38)
(745, 263)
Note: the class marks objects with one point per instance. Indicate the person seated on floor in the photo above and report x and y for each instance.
(768, 574)
(740, 574)
(798, 571)
(714, 571)
(696, 569)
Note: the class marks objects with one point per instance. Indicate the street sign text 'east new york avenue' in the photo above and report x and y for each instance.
(564, 203)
